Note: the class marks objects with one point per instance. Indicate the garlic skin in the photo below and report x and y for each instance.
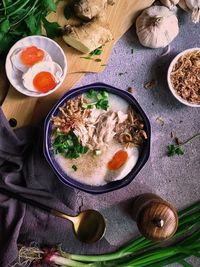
(183, 5)
(169, 3)
(194, 6)
(156, 27)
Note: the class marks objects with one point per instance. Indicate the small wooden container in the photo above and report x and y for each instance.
(156, 218)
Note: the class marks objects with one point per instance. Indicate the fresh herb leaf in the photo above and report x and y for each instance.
(53, 29)
(6, 40)
(91, 94)
(84, 150)
(97, 52)
(74, 167)
(177, 149)
(5, 26)
(173, 150)
(24, 18)
(32, 24)
(50, 4)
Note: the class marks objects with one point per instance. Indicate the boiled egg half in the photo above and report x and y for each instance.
(121, 164)
(24, 58)
(42, 77)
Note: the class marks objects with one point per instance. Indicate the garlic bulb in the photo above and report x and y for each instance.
(194, 6)
(156, 27)
(183, 5)
(169, 3)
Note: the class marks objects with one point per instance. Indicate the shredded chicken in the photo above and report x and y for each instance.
(99, 133)
(185, 77)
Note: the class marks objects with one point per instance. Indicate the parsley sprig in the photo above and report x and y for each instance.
(68, 145)
(98, 99)
(173, 149)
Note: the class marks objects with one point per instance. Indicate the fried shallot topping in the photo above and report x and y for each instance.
(185, 77)
(71, 115)
(131, 132)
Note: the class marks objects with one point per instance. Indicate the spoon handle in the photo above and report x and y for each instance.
(25, 200)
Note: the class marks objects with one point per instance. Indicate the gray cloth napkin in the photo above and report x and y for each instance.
(24, 169)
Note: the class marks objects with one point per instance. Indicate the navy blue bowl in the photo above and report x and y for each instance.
(144, 155)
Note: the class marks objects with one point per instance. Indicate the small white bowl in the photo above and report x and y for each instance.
(48, 45)
(171, 87)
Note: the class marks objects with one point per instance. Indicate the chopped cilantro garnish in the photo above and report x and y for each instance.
(173, 150)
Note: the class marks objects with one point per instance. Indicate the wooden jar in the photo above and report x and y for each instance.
(156, 218)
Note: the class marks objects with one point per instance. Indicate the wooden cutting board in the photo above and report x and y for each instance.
(27, 110)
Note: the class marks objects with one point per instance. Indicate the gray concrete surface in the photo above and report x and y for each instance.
(176, 179)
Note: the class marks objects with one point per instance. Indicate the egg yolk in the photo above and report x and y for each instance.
(44, 82)
(31, 55)
(118, 160)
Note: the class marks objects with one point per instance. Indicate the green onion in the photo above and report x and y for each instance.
(141, 252)
(97, 152)
(96, 52)
(68, 145)
(99, 99)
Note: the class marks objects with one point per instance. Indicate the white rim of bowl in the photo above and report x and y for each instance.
(179, 98)
(64, 71)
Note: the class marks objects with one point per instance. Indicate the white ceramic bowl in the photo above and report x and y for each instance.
(171, 87)
(51, 47)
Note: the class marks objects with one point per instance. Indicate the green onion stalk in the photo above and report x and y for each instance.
(137, 253)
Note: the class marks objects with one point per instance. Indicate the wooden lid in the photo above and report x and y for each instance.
(157, 220)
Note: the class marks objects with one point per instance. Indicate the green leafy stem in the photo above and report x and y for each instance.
(173, 149)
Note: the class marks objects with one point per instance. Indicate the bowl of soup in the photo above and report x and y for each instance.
(97, 138)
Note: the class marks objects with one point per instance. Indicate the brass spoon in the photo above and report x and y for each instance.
(89, 225)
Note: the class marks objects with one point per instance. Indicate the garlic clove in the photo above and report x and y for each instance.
(194, 6)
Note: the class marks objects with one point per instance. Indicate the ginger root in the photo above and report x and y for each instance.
(88, 9)
(87, 37)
